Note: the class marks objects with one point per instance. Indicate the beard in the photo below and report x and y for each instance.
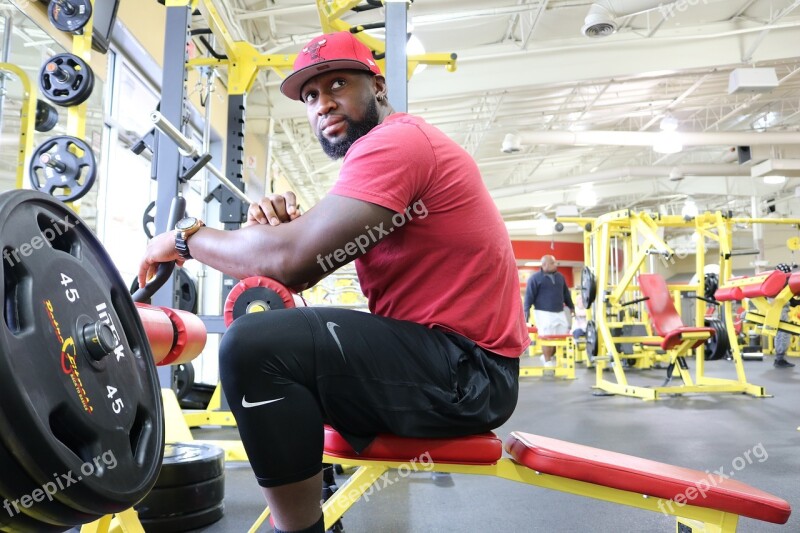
(355, 130)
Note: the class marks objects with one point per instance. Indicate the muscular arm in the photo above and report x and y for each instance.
(295, 253)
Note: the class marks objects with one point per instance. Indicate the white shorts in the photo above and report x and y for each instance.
(548, 323)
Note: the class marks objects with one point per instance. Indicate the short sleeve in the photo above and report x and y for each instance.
(391, 167)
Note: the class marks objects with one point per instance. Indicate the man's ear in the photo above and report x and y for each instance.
(379, 83)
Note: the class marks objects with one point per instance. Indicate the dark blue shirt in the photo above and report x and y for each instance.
(547, 292)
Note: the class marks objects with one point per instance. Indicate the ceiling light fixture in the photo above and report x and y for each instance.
(668, 141)
(689, 209)
(774, 180)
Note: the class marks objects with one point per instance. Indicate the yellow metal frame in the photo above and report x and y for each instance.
(27, 119)
(124, 522)
(368, 472)
(176, 428)
(768, 313)
(565, 360)
(244, 61)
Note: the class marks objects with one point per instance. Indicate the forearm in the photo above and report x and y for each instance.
(258, 250)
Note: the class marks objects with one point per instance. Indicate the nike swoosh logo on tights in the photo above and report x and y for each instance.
(332, 325)
(248, 405)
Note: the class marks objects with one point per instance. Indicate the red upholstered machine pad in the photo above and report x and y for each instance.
(483, 449)
(666, 321)
(794, 282)
(769, 288)
(634, 474)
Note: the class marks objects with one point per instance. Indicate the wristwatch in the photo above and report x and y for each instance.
(185, 228)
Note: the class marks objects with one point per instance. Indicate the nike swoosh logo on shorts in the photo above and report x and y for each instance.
(332, 325)
(248, 405)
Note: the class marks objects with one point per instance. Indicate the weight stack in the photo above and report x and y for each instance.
(189, 491)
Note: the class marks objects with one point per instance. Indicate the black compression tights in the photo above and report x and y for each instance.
(270, 387)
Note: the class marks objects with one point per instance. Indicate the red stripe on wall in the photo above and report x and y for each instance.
(534, 250)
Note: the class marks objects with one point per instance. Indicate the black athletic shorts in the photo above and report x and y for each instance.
(362, 374)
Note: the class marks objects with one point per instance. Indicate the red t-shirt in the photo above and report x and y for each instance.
(446, 260)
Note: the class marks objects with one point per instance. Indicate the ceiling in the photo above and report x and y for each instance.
(525, 67)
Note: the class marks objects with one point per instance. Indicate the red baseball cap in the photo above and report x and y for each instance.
(332, 51)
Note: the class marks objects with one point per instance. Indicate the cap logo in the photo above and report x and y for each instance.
(313, 50)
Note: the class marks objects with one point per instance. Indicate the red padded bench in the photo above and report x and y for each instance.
(574, 462)
(651, 478)
(483, 449)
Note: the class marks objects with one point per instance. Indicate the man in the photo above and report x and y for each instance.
(438, 355)
(548, 293)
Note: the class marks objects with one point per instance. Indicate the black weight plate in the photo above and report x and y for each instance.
(184, 522)
(19, 490)
(710, 285)
(69, 15)
(588, 287)
(184, 499)
(266, 295)
(46, 117)
(717, 346)
(592, 347)
(186, 463)
(187, 291)
(711, 344)
(54, 165)
(66, 411)
(66, 80)
(21, 523)
(724, 341)
(182, 380)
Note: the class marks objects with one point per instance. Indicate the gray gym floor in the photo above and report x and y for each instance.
(704, 432)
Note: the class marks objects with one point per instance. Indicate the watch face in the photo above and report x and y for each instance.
(185, 223)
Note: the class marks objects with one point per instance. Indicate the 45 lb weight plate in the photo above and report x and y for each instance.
(80, 399)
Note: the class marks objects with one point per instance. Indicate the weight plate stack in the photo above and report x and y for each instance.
(189, 491)
(718, 346)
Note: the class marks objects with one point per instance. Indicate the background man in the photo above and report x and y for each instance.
(548, 293)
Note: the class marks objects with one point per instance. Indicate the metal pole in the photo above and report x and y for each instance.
(8, 28)
(758, 235)
(396, 62)
(268, 170)
(189, 149)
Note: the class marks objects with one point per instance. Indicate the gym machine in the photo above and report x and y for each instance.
(610, 287)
